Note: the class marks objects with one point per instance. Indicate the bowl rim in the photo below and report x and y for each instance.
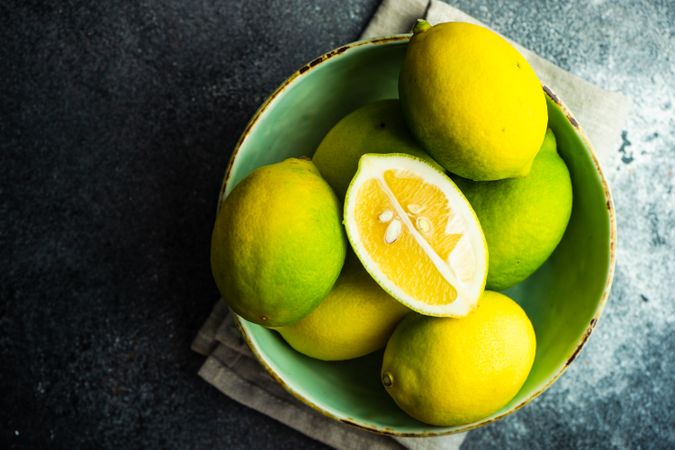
(609, 203)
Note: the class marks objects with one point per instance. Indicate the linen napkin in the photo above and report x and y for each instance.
(231, 367)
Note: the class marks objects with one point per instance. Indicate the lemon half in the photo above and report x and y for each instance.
(416, 234)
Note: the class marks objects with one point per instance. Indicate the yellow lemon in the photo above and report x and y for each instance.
(416, 234)
(278, 244)
(450, 372)
(472, 100)
(374, 128)
(356, 318)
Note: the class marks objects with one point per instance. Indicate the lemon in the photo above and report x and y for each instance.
(278, 244)
(523, 219)
(374, 128)
(450, 372)
(356, 318)
(472, 101)
(416, 234)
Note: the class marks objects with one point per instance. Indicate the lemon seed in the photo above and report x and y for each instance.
(393, 231)
(423, 224)
(386, 216)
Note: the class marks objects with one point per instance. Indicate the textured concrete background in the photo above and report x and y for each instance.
(115, 127)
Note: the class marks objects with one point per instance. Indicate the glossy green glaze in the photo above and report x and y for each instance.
(563, 298)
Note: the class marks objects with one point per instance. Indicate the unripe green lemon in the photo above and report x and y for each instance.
(356, 318)
(455, 371)
(472, 101)
(523, 219)
(374, 128)
(278, 244)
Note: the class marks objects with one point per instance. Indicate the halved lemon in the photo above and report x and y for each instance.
(416, 234)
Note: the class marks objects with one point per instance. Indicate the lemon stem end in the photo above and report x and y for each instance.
(421, 26)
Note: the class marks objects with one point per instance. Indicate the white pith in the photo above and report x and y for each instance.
(471, 245)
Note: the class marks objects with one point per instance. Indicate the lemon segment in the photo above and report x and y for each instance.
(416, 234)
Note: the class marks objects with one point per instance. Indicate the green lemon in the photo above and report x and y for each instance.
(374, 128)
(278, 244)
(356, 318)
(449, 372)
(472, 101)
(523, 219)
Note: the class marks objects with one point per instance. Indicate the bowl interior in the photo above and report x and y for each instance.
(563, 298)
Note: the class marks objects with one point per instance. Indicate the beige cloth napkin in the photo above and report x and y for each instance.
(232, 368)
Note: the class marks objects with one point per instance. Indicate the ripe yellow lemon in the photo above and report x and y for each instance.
(525, 218)
(416, 234)
(356, 318)
(377, 127)
(278, 244)
(472, 101)
(450, 372)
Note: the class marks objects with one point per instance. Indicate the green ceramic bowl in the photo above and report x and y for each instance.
(563, 299)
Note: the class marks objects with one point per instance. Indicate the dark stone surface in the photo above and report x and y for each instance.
(116, 126)
(116, 122)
